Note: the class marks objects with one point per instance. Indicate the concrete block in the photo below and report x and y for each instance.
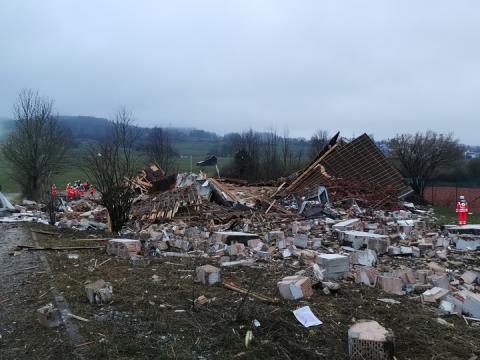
(182, 244)
(99, 292)
(434, 294)
(406, 275)
(124, 247)
(366, 275)
(236, 249)
(295, 287)
(367, 339)
(48, 316)
(275, 235)
(253, 243)
(423, 276)
(264, 255)
(350, 224)
(471, 305)
(436, 268)
(390, 284)
(364, 257)
(286, 253)
(469, 277)
(440, 280)
(301, 241)
(280, 244)
(335, 265)
(406, 250)
(394, 251)
(208, 274)
(316, 243)
(416, 251)
(361, 239)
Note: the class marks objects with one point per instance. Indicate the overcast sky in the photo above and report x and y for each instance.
(375, 66)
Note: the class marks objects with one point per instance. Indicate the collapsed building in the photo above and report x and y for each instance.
(343, 217)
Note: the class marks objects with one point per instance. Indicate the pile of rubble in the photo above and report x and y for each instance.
(327, 221)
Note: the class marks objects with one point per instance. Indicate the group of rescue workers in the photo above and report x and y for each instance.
(75, 191)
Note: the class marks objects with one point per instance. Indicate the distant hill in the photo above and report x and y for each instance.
(5, 126)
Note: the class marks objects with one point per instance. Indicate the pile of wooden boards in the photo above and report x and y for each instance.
(166, 205)
(153, 179)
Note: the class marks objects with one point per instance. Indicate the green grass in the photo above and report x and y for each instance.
(448, 215)
(72, 169)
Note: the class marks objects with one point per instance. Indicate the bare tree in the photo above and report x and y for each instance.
(109, 165)
(269, 156)
(159, 148)
(286, 150)
(422, 154)
(317, 142)
(36, 147)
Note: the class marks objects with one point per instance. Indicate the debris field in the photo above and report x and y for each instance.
(332, 262)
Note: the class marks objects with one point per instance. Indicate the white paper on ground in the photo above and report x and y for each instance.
(306, 317)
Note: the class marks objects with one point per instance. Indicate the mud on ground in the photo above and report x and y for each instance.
(150, 319)
(24, 287)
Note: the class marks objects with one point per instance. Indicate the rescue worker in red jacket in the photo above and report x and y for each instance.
(54, 191)
(91, 190)
(68, 191)
(462, 210)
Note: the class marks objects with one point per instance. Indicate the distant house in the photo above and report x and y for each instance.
(472, 154)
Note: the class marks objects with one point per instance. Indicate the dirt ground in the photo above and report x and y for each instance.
(153, 314)
(24, 287)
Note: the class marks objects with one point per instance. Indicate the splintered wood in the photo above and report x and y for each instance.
(166, 205)
(151, 179)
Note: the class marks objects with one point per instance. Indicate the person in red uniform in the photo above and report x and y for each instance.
(91, 190)
(54, 191)
(462, 210)
(68, 191)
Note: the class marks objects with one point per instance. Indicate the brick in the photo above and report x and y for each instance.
(367, 339)
(390, 284)
(423, 276)
(295, 287)
(366, 275)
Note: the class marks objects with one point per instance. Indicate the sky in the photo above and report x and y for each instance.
(378, 66)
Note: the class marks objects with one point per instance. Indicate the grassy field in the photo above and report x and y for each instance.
(449, 216)
(72, 169)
